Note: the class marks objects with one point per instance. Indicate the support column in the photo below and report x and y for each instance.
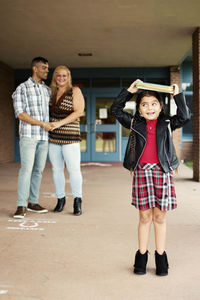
(196, 103)
(6, 114)
(175, 78)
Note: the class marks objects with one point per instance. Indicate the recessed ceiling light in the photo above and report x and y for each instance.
(85, 54)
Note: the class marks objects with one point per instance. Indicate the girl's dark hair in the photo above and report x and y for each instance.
(147, 93)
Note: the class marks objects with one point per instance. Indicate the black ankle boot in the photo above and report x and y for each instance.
(140, 263)
(60, 205)
(77, 206)
(161, 264)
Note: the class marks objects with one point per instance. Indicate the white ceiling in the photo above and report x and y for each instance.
(119, 33)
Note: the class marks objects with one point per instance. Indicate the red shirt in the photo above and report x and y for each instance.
(150, 154)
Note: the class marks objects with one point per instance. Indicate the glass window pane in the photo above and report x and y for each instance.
(83, 142)
(164, 81)
(126, 82)
(83, 118)
(103, 115)
(129, 108)
(81, 82)
(187, 86)
(106, 82)
(125, 132)
(105, 142)
(188, 127)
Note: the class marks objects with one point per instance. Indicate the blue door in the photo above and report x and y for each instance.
(85, 122)
(101, 133)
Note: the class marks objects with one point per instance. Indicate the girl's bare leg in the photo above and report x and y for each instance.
(144, 229)
(159, 220)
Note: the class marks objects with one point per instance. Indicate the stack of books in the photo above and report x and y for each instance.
(155, 87)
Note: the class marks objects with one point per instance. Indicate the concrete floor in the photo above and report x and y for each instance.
(62, 256)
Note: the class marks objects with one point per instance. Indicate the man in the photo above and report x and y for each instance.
(31, 105)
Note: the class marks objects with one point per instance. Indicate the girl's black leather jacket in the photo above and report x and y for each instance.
(166, 151)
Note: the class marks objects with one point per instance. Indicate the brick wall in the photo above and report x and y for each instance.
(196, 103)
(6, 114)
(175, 79)
(187, 151)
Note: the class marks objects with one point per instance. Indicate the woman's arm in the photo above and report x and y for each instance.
(78, 104)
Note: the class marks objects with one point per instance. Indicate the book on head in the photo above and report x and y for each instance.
(155, 87)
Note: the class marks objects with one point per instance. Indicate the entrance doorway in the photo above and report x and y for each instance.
(100, 131)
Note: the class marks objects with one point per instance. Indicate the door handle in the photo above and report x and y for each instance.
(95, 127)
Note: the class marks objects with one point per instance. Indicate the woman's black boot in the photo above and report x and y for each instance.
(60, 205)
(140, 263)
(161, 264)
(77, 206)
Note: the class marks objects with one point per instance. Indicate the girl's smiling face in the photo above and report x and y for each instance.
(150, 108)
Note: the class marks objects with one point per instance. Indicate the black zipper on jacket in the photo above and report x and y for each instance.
(142, 150)
(167, 156)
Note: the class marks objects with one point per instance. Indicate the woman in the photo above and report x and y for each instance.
(66, 106)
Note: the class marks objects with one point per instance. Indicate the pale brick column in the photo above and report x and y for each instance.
(175, 78)
(196, 103)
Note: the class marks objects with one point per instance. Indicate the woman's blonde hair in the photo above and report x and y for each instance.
(53, 84)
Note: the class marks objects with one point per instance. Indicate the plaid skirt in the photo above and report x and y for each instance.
(153, 188)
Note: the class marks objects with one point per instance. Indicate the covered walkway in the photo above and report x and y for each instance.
(63, 257)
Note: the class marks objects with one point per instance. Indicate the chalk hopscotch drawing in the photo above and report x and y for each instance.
(28, 224)
(4, 288)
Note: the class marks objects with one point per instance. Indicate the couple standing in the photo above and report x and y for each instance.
(48, 114)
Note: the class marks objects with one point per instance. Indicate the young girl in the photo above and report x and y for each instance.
(151, 156)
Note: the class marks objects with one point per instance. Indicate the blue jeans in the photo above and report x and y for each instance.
(33, 155)
(69, 154)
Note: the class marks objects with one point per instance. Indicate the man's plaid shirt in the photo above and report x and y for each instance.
(32, 98)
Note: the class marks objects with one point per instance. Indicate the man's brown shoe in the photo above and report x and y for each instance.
(20, 212)
(36, 208)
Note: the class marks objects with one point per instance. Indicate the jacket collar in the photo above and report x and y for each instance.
(141, 128)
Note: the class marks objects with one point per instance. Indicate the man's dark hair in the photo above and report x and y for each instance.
(38, 59)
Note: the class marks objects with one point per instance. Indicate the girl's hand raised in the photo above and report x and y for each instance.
(132, 88)
(176, 89)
